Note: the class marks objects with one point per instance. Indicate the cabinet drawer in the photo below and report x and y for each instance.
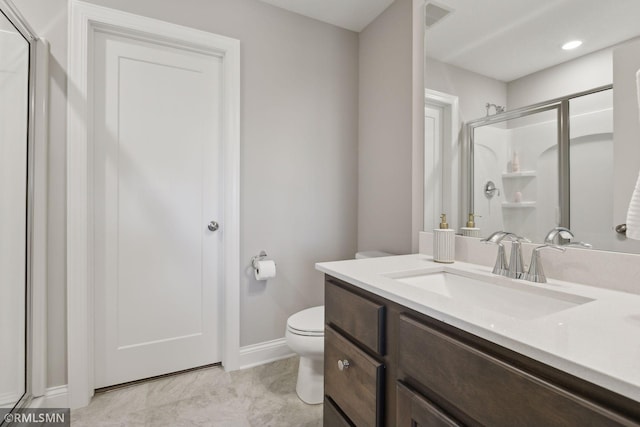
(487, 390)
(332, 417)
(413, 410)
(357, 316)
(356, 389)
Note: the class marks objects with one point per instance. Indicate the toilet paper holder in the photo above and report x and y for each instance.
(257, 258)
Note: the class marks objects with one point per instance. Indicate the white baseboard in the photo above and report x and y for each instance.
(7, 400)
(54, 397)
(264, 352)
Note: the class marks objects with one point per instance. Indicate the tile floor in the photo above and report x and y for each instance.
(261, 396)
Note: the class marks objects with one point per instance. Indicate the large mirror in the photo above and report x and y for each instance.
(544, 136)
(14, 213)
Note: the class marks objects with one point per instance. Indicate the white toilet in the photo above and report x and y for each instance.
(305, 336)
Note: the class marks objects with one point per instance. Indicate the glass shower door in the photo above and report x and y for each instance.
(515, 173)
(14, 121)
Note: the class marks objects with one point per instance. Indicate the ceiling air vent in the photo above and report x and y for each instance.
(434, 14)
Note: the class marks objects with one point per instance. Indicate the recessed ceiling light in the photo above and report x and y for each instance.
(571, 45)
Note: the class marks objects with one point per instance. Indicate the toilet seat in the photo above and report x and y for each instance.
(309, 322)
(305, 333)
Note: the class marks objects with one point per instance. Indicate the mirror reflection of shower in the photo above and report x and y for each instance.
(520, 153)
(515, 172)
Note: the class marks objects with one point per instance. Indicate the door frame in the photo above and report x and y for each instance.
(433, 164)
(84, 20)
(450, 152)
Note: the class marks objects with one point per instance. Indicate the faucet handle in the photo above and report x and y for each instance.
(536, 273)
(564, 233)
(501, 267)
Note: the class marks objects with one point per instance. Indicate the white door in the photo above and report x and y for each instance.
(156, 185)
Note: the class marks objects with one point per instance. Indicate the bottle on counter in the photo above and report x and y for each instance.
(444, 240)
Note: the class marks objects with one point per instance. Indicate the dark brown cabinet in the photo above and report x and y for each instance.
(357, 317)
(353, 380)
(333, 416)
(407, 369)
(413, 410)
(354, 370)
(489, 390)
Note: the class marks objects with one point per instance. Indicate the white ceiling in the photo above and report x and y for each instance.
(508, 39)
(502, 39)
(353, 15)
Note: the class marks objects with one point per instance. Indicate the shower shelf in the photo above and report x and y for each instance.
(518, 174)
(518, 205)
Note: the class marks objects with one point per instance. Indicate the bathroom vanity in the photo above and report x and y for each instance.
(411, 342)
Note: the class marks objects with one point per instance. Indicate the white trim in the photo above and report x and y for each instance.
(84, 19)
(264, 352)
(9, 399)
(451, 157)
(54, 397)
(433, 165)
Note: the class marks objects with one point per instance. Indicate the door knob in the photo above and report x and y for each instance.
(343, 364)
(213, 226)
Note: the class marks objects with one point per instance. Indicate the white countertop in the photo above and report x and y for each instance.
(598, 341)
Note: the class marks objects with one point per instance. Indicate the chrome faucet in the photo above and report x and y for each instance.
(564, 236)
(536, 273)
(515, 267)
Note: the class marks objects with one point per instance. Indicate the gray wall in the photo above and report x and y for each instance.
(583, 73)
(385, 126)
(299, 157)
(474, 90)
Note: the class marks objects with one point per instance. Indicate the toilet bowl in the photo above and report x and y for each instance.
(305, 336)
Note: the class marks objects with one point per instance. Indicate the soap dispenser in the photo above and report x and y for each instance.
(444, 240)
(470, 230)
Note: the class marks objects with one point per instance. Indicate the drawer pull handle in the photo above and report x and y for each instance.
(343, 364)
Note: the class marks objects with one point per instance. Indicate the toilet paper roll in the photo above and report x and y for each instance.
(265, 269)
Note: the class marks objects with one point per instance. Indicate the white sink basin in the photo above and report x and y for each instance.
(512, 298)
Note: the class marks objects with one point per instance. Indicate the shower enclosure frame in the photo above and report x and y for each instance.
(36, 212)
(561, 105)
